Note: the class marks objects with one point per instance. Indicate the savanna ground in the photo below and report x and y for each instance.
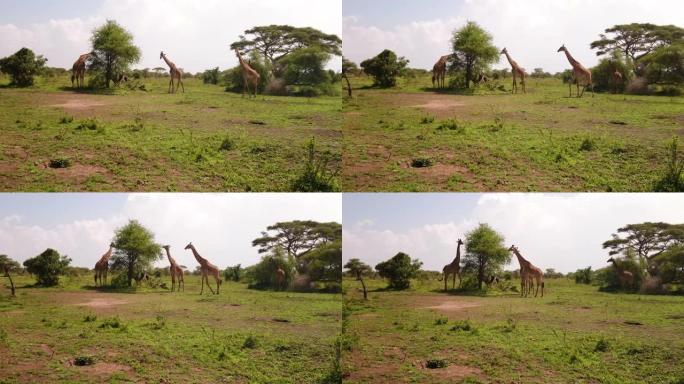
(156, 336)
(203, 140)
(497, 141)
(574, 334)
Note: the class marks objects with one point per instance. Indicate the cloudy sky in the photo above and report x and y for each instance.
(561, 231)
(195, 34)
(532, 30)
(221, 226)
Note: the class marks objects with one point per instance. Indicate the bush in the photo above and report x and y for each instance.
(421, 162)
(263, 274)
(228, 144)
(637, 86)
(588, 145)
(22, 67)
(250, 342)
(672, 179)
(233, 273)
(436, 363)
(583, 276)
(602, 74)
(601, 345)
(319, 172)
(399, 270)
(47, 267)
(59, 163)
(384, 68)
(84, 360)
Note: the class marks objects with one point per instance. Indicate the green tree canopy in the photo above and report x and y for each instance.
(263, 274)
(399, 270)
(636, 40)
(113, 52)
(47, 267)
(671, 264)
(9, 265)
(275, 42)
(359, 269)
(324, 263)
(665, 64)
(384, 68)
(306, 66)
(135, 250)
(647, 240)
(485, 252)
(473, 50)
(297, 237)
(22, 66)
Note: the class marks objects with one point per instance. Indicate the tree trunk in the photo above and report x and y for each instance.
(349, 89)
(480, 274)
(469, 75)
(365, 295)
(12, 283)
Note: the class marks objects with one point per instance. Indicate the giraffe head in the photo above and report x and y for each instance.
(459, 242)
(189, 245)
(503, 51)
(513, 248)
(166, 247)
(611, 260)
(562, 48)
(161, 55)
(111, 245)
(237, 53)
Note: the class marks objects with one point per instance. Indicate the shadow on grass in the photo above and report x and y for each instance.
(111, 289)
(88, 91)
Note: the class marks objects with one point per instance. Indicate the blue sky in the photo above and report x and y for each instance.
(221, 226)
(561, 231)
(532, 30)
(195, 34)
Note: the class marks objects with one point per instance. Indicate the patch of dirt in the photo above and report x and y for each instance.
(78, 104)
(455, 372)
(77, 173)
(454, 306)
(46, 349)
(101, 303)
(103, 370)
(440, 105)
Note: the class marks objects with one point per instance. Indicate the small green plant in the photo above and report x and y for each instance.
(89, 124)
(3, 336)
(672, 179)
(421, 162)
(250, 342)
(66, 119)
(588, 145)
(228, 144)
(601, 345)
(463, 325)
(89, 318)
(222, 356)
(436, 363)
(510, 326)
(59, 163)
(84, 360)
(160, 322)
(112, 322)
(319, 172)
(427, 120)
(450, 125)
(441, 321)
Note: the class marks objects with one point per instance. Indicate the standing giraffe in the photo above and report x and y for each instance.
(532, 274)
(439, 71)
(617, 79)
(78, 70)
(524, 271)
(626, 277)
(454, 268)
(249, 76)
(206, 268)
(517, 71)
(176, 74)
(579, 73)
(102, 266)
(175, 270)
(280, 277)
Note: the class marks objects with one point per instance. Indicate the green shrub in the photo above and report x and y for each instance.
(66, 119)
(399, 270)
(601, 345)
(59, 163)
(421, 162)
(112, 322)
(463, 325)
(90, 124)
(673, 178)
(89, 318)
(588, 144)
(436, 363)
(22, 67)
(47, 267)
(250, 342)
(84, 360)
(228, 144)
(319, 172)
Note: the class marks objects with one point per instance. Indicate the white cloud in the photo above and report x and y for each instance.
(221, 226)
(561, 231)
(531, 30)
(195, 34)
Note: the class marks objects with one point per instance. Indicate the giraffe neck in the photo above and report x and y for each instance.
(199, 258)
(168, 255)
(457, 259)
(168, 62)
(513, 64)
(571, 59)
(521, 260)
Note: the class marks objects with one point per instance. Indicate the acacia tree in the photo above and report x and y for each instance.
(8, 265)
(399, 270)
(113, 52)
(22, 66)
(347, 67)
(47, 267)
(636, 40)
(485, 252)
(359, 269)
(473, 50)
(384, 68)
(135, 250)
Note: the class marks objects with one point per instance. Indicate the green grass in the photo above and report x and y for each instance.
(77, 334)
(496, 141)
(574, 334)
(152, 141)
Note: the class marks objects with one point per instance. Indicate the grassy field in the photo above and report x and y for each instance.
(203, 140)
(156, 336)
(496, 141)
(574, 334)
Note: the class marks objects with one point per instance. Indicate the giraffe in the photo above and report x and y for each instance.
(524, 271)
(579, 73)
(454, 268)
(617, 79)
(206, 268)
(280, 277)
(439, 71)
(175, 270)
(517, 71)
(78, 70)
(249, 76)
(102, 266)
(532, 274)
(626, 277)
(176, 74)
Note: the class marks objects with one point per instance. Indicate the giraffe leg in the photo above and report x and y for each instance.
(446, 277)
(104, 274)
(209, 286)
(202, 290)
(459, 281)
(453, 284)
(181, 84)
